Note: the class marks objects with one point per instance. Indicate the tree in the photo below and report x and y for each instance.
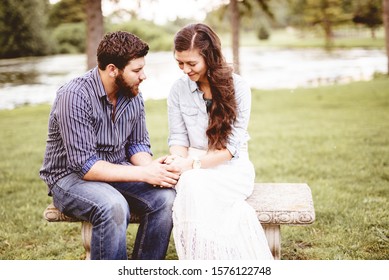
(235, 25)
(369, 13)
(323, 13)
(67, 11)
(385, 5)
(95, 30)
(67, 26)
(235, 14)
(326, 14)
(23, 28)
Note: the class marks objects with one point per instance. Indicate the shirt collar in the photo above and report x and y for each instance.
(100, 91)
(192, 85)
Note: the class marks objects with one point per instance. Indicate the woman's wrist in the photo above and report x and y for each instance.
(196, 163)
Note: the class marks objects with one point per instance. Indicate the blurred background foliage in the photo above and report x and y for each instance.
(36, 27)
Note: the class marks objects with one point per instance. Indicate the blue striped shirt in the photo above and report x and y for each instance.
(81, 130)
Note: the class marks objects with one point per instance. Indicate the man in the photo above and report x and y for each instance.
(98, 164)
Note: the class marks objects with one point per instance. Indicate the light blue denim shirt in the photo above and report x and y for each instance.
(188, 117)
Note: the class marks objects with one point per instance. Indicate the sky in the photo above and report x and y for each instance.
(161, 11)
(165, 10)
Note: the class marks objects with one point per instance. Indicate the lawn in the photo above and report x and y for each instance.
(335, 139)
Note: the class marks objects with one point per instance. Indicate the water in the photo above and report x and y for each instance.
(35, 80)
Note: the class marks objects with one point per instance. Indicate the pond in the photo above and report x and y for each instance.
(35, 80)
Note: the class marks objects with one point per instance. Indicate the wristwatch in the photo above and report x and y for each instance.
(196, 163)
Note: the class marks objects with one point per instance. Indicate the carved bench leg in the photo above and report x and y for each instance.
(86, 234)
(272, 232)
(273, 236)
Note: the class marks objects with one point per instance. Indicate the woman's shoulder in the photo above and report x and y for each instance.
(241, 85)
(181, 81)
(184, 84)
(180, 89)
(238, 79)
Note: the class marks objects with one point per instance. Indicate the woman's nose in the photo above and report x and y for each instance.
(186, 69)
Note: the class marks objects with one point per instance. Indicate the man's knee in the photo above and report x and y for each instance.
(164, 199)
(117, 211)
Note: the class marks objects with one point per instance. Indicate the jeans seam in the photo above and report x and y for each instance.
(142, 239)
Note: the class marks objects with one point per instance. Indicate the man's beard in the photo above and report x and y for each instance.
(125, 89)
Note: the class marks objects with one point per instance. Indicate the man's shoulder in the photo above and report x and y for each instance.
(79, 82)
(82, 85)
(78, 90)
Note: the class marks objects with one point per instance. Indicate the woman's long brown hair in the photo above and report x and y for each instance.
(224, 108)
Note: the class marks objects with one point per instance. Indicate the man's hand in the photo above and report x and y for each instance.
(155, 172)
(160, 174)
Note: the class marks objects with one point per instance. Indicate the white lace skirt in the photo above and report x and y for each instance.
(212, 220)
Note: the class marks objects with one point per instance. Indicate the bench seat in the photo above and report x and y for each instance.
(275, 204)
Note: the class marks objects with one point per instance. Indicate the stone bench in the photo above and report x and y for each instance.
(276, 204)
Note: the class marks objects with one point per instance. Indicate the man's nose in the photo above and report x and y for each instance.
(142, 76)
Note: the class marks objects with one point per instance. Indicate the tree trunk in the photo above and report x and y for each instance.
(235, 34)
(95, 30)
(385, 8)
(329, 36)
(372, 32)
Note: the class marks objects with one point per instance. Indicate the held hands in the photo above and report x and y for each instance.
(158, 173)
(183, 163)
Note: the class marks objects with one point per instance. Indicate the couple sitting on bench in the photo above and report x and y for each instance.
(99, 168)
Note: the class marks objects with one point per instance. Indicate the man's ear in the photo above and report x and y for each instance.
(112, 69)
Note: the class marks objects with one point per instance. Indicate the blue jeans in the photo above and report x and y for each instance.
(108, 208)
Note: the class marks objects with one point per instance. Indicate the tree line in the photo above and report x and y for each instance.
(36, 27)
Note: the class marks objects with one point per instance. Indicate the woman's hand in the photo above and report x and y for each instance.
(158, 173)
(177, 161)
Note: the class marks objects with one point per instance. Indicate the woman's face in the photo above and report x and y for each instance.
(193, 64)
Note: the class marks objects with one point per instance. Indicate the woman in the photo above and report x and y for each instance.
(209, 111)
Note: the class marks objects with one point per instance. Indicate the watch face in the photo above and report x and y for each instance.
(196, 164)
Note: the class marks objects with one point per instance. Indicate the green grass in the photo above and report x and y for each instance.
(337, 140)
(334, 138)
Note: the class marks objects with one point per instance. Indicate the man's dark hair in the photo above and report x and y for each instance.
(119, 48)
